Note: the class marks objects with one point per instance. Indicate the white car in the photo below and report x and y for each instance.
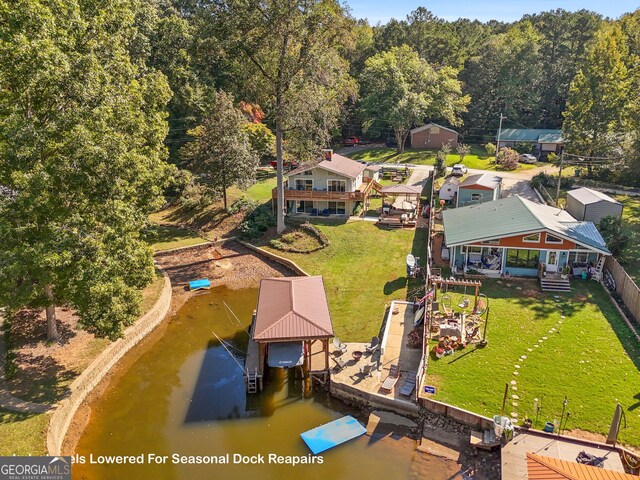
(458, 170)
(528, 158)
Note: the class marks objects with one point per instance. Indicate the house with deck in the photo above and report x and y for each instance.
(479, 188)
(514, 236)
(333, 186)
(544, 141)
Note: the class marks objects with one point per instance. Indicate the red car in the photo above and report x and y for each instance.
(351, 141)
(286, 165)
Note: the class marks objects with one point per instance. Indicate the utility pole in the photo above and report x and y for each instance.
(499, 134)
(559, 179)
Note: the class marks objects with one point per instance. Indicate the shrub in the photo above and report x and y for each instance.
(243, 204)
(507, 159)
(552, 157)
(358, 209)
(286, 242)
(257, 222)
(490, 148)
(195, 195)
(463, 150)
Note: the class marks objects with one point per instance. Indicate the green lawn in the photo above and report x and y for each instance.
(364, 268)
(165, 237)
(591, 357)
(265, 183)
(477, 159)
(22, 433)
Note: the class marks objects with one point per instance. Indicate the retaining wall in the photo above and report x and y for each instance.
(458, 414)
(276, 258)
(366, 399)
(101, 365)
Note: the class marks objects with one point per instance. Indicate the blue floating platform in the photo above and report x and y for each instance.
(202, 284)
(332, 434)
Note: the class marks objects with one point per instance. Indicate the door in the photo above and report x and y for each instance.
(552, 261)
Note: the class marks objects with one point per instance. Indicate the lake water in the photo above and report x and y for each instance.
(184, 394)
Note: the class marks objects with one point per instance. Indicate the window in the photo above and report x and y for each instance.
(337, 208)
(304, 184)
(533, 238)
(474, 249)
(578, 257)
(522, 258)
(337, 185)
(304, 207)
(476, 196)
(308, 172)
(552, 239)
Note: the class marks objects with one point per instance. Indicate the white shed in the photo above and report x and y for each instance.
(589, 205)
(449, 188)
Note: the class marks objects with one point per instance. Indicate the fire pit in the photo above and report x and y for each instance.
(357, 355)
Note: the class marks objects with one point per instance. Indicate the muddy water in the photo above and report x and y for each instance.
(184, 395)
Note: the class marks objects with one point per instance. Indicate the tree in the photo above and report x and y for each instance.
(595, 117)
(261, 139)
(81, 161)
(507, 159)
(616, 234)
(440, 165)
(221, 153)
(463, 150)
(402, 89)
(289, 55)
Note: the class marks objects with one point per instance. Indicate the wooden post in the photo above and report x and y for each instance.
(475, 301)
(325, 344)
(504, 400)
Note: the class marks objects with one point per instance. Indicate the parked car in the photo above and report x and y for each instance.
(459, 170)
(351, 141)
(286, 165)
(528, 158)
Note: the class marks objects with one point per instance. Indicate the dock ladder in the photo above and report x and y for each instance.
(252, 381)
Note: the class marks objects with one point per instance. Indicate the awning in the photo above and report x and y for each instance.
(285, 354)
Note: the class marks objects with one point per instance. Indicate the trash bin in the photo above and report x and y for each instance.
(548, 427)
(584, 275)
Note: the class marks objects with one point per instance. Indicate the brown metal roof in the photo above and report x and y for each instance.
(338, 164)
(292, 308)
(548, 468)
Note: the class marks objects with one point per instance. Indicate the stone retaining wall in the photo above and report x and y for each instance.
(276, 258)
(197, 246)
(458, 414)
(371, 400)
(101, 365)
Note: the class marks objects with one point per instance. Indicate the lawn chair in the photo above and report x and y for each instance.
(392, 379)
(339, 346)
(340, 364)
(373, 346)
(365, 370)
(314, 212)
(471, 333)
(325, 212)
(409, 384)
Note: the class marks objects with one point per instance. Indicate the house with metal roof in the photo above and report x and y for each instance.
(544, 140)
(332, 186)
(591, 205)
(515, 236)
(479, 188)
(291, 328)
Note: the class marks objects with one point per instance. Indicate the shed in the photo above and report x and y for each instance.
(591, 205)
(449, 189)
(479, 188)
(433, 135)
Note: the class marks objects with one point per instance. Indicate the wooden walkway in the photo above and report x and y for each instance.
(253, 367)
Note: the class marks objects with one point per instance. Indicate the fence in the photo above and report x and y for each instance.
(546, 195)
(625, 287)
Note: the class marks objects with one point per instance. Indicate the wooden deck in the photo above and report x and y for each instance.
(253, 364)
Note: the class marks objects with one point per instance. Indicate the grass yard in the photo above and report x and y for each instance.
(477, 159)
(364, 268)
(165, 237)
(23, 433)
(590, 356)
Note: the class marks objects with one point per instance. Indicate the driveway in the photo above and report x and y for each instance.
(514, 186)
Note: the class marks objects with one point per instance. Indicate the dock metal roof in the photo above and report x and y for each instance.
(515, 216)
(586, 196)
(292, 308)
(548, 468)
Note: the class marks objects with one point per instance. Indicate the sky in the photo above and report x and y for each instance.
(483, 10)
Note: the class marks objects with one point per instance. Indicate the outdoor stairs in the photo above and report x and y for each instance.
(553, 284)
(252, 382)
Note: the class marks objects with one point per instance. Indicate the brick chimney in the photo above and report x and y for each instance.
(327, 154)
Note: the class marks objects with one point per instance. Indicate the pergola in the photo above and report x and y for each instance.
(439, 281)
(410, 192)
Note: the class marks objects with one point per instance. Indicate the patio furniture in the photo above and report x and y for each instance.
(357, 355)
(325, 212)
(339, 346)
(365, 370)
(314, 212)
(409, 384)
(340, 364)
(392, 378)
(372, 346)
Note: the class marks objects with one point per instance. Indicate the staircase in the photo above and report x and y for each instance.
(554, 283)
(597, 275)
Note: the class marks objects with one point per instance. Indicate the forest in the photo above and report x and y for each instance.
(109, 107)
